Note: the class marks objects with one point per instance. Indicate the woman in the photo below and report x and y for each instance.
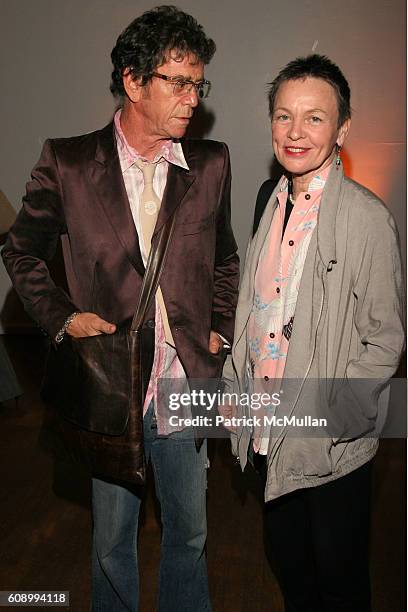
(320, 301)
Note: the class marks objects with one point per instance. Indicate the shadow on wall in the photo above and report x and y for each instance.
(275, 170)
(202, 123)
(13, 317)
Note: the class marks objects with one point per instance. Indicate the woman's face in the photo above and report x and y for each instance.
(304, 126)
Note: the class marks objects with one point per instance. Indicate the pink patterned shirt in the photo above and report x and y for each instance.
(277, 281)
(166, 363)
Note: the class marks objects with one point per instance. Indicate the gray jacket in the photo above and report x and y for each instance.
(348, 325)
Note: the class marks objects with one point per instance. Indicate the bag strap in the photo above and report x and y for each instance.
(154, 268)
(262, 199)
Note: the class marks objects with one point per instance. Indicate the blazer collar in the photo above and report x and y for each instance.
(179, 181)
(106, 175)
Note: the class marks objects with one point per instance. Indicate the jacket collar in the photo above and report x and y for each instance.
(179, 181)
(329, 206)
(106, 177)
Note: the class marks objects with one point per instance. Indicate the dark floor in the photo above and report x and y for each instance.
(45, 520)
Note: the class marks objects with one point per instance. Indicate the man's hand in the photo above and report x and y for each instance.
(89, 324)
(215, 343)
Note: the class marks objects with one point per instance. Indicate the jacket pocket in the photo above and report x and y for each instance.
(318, 462)
(307, 457)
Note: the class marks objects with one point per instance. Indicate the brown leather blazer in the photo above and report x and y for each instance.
(77, 193)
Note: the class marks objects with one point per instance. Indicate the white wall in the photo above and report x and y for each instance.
(55, 70)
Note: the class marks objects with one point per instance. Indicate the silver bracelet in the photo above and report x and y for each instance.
(60, 336)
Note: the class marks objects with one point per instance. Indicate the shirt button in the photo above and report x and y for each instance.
(291, 243)
(277, 290)
(150, 323)
(266, 377)
(271, 335)
(307, 196)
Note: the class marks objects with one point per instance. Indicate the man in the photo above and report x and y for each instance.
(98, 192)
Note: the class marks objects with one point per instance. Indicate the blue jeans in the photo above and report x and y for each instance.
(181, 480)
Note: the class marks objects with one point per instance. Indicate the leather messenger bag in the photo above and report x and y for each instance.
(98, 385)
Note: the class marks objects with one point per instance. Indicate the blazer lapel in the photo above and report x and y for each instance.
(178, 183)
(106, 177)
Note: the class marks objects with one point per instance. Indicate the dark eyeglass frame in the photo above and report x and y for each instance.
(177, 81)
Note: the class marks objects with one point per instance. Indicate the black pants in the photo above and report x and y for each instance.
(319, 540)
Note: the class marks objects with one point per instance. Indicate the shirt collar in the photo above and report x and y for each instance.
(171, 151)
(316, 184)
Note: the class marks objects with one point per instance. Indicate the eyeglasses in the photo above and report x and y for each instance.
(184, 86)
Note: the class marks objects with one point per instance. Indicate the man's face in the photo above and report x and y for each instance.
(304, 126)
(166, 114)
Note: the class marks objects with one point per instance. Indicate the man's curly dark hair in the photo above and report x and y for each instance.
(146, 42)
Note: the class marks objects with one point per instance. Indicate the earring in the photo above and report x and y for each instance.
(338, 159)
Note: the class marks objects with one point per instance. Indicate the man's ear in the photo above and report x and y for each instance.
(132, 85)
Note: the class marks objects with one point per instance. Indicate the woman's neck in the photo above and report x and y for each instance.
(301, 182)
